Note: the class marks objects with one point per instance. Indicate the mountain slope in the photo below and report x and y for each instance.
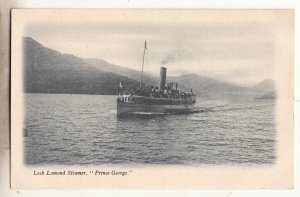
(270, 95)
(265, 89)
(48, 71)
(265, 86)
(133, 74)
(205, 86)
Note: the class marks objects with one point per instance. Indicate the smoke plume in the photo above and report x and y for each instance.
(175, 55)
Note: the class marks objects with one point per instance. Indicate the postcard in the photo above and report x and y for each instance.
(152, 98)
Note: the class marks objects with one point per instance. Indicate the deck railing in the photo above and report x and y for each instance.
(129, 98)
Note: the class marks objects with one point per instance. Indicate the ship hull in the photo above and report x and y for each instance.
(137, 108)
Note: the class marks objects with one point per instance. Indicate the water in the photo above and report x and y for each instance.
(83, 129)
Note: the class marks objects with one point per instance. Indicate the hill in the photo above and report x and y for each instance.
(133, 74)
(270, 95)
(265, 86)
(49, 71)
(208, 87)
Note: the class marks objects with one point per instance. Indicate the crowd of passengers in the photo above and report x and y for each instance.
(153, 91)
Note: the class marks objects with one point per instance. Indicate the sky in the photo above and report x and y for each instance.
(237, 51)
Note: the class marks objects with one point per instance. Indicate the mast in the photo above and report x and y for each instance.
(145, 48)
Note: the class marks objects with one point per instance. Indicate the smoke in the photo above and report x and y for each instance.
(175, 55)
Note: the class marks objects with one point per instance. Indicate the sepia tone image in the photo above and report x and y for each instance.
(150, 89)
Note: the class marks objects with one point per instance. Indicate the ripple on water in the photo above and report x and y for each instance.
(84, 129)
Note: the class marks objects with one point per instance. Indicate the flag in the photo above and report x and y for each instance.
(146, 45)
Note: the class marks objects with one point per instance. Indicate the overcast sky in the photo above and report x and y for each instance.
(235, 51)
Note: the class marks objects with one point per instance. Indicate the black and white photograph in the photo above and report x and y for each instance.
(146, 89)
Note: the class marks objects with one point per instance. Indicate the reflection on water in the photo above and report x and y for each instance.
(84, 129)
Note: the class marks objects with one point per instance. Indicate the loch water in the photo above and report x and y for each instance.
(72, 129)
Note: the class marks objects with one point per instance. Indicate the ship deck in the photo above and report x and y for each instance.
(141, 104)
(156, 101)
